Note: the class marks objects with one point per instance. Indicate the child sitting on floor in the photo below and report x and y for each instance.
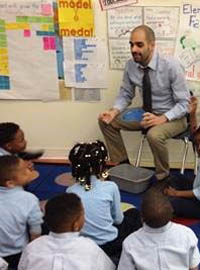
(63, 248)
(184, 192)
(160, 243)
(12, 142)
(105, 222)
(19, 209)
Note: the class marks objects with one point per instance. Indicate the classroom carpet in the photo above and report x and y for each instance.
(54, 180)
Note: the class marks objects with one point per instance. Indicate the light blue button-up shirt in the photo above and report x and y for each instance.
(170, 94)
(102, 209)
(18, 209)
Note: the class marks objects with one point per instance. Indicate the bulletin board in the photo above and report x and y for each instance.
(62, 34)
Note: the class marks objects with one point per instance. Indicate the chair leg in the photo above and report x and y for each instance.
(195, 161)
(186, 142)
(139, 154)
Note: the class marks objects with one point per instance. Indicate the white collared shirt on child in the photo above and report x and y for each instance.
(64, 251)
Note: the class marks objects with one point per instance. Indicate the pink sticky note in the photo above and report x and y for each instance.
(46, 9)
(46, 43)
(52, 41)
(27, 33)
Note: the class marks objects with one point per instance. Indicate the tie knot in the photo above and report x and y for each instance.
(146, 69)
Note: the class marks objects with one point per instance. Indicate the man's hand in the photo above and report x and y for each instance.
(150, 120)
(109, 115)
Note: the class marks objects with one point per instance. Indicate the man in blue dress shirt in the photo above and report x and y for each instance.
(169, 95)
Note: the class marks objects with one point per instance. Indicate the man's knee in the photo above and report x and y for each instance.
(154, 136)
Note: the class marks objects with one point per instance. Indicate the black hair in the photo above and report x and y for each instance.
(156, 208)
(61, 211)
(88, 159)
(150, 35)
(8, 131)
(8, 166)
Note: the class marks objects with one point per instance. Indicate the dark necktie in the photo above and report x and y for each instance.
(147, 99)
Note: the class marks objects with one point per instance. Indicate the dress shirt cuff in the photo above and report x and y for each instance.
(170, 116)
(196, 192)
(119, 107)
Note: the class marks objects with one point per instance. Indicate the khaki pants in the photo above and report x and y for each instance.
(156, 137)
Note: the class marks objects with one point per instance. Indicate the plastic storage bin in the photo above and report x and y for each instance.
(130, 178)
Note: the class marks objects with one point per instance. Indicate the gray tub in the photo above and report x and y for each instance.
(130, 178)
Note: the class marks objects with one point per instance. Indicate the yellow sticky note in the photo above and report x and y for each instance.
(3, 58)
(45, 27)
(24, 26)
(4, 69)
(4, 72)
(12, 26)
(3, 51)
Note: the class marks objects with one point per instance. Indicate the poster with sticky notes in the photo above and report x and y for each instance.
(27, 44)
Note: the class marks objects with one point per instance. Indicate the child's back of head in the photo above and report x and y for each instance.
(64, 213)
(156, 209)
(88, 159)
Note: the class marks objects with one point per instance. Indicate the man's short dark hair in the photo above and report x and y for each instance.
(8, 131)
(8, 166)
(156, 208)
(150, 35)
(61, 211)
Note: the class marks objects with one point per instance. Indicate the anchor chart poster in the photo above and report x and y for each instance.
(85, 62)
(27, 44)
(188, 42)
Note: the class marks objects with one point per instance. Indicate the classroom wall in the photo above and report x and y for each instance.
(56, 126)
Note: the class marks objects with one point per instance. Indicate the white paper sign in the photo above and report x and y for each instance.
(188, 42)
(85, 62)
(107, 4)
